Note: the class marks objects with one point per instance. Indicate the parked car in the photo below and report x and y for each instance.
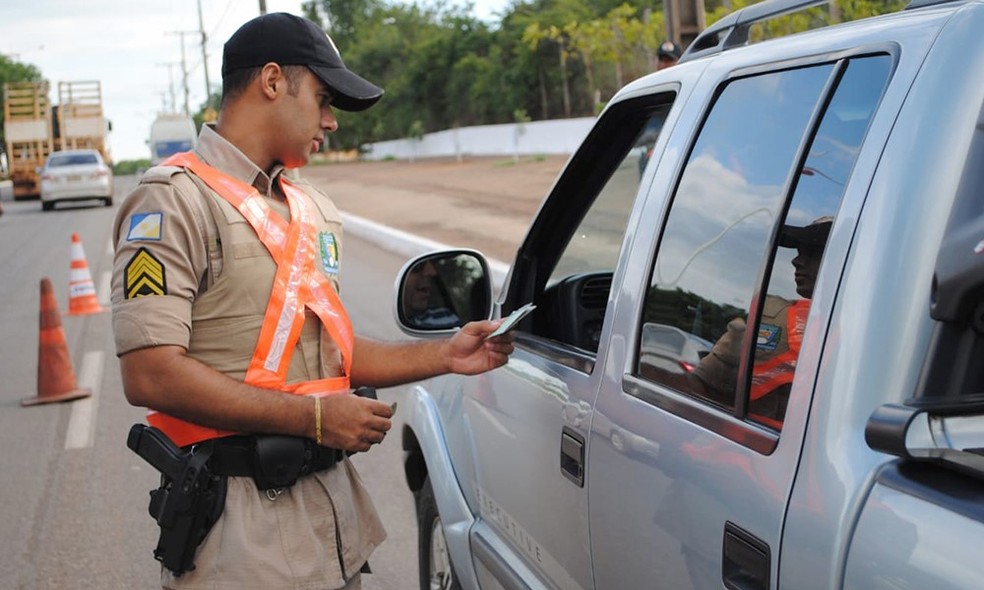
(814, 207)
(75, 175)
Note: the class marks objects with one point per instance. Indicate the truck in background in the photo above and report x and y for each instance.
(79, 121)
(171, 133)
(28, 134)
(34, 127)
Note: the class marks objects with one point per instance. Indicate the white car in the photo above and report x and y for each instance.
(75, 175)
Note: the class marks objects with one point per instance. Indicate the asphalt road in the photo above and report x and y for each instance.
(75, 498)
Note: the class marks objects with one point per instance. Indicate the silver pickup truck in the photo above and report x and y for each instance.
(824, 189)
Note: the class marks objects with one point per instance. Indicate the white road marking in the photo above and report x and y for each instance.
(82, 422)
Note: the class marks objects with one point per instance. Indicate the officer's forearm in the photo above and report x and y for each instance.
(385, 364)
(165, 379)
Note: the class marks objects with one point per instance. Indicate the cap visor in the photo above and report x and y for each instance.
(350, 91)
(798, 237)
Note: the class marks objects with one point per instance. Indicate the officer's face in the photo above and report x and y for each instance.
(807, 265)
(307, 118)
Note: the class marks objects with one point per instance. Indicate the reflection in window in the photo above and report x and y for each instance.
(804, 234)
(717, 234)
(718, 237)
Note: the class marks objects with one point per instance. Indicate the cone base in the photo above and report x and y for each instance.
(61, 397)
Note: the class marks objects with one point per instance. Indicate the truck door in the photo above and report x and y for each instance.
(698, 424)
(530, 418)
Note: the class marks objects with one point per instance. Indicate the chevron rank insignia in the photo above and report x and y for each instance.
(144, 275)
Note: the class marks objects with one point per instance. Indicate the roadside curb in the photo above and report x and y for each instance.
(409, 245)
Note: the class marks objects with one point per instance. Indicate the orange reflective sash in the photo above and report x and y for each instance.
(297, 285)
(778, 370)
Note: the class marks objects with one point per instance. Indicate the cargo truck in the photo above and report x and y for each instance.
(28, 134)
(34, 127)
(79, 120)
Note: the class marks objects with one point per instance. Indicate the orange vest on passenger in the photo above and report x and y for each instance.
(297, 284)
(778, 370)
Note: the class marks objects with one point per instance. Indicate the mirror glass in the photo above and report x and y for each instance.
(444, 291)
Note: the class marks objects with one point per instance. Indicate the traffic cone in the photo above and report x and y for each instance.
(81, 290)
(56, 380)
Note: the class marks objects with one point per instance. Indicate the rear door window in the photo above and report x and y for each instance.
(765, 176)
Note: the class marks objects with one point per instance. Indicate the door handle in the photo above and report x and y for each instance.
(572, 456)
(747, 560)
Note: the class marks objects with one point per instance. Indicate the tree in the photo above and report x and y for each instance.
(14, 71)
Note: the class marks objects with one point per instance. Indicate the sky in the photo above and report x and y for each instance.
(134, 49)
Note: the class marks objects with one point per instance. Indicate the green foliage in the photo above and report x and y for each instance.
(14, 71)
(131, 167)
(443, 68)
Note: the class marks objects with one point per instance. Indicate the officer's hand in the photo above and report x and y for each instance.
(470, 353)
(353, 423)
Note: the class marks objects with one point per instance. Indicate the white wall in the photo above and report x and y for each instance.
(562, 136)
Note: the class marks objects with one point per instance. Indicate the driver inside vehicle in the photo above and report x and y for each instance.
(424, 307)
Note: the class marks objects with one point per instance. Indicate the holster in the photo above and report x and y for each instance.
(189, 500)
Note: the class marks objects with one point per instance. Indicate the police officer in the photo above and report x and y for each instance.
(777, 345)
(229, 329)
(667, 55)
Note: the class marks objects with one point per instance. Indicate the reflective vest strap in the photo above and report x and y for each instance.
(278, 335)
(183, 433)
(321, 296)
(297, 284)
(778, 370)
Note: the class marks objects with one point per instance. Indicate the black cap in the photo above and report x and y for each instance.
(668, 49)
(290, 40)
(809, 236)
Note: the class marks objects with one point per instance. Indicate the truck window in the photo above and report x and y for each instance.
(733, 228)
(576, 292)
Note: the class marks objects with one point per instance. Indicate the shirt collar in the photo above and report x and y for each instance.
(218, 152)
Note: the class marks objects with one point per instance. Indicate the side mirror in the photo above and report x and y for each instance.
(439, 292)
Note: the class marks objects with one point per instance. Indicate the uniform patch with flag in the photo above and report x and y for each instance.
(768, 337)
(144, 275)
(329, 253)
(145, 226)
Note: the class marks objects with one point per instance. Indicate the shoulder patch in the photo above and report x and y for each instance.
(160, 174)
(146, 226)
(329, 253)
(769, 337)
(143, 276)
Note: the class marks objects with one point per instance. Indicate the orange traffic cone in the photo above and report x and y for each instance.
(81, 290)
(56, 380)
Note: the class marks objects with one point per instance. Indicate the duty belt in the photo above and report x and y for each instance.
(273, 461)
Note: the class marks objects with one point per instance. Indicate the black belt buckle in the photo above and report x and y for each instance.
(279, 460)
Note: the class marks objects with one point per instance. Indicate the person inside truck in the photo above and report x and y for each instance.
(780, 333)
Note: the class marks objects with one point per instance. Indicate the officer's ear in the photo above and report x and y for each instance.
(271, 80)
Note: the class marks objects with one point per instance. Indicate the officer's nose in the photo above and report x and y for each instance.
(328, 121)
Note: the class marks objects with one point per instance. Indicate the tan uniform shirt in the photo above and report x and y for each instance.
(190, 271)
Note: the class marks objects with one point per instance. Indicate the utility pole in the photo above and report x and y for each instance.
(262, 6)
(170, 77)
(184, 67)
(684, 20)
(208, 86)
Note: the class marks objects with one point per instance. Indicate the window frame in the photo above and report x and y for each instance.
(565, 207)
(733, 423)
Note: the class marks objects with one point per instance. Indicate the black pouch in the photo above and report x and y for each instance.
(278, 460)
